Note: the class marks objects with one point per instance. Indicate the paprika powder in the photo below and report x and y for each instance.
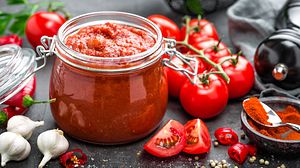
(289, 114)
(256, 111)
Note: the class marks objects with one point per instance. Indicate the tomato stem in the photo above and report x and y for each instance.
(200, 53)
(28, 101)
(216, 47)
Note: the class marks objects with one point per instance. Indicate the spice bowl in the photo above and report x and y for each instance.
(267, 143)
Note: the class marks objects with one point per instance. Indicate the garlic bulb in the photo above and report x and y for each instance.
(13, 147)
(22, 125)
(51, 143)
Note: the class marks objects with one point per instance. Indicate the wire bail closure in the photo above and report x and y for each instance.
(171, 51)
(47, 48)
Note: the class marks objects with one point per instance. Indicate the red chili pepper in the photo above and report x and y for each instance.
(238, 152)
(226, 136)
(24, 97)
(252, 149)
(10, 111)
(11, 39)
(74, 158)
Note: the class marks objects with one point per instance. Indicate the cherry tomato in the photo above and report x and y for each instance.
(168, 28)
(197, 137)
(205, 29)
(176, 78)
(42, 23)
(226, 136)
(238, 152)
(169, 141)
(212, 48)
(241, 76)
(204, 100)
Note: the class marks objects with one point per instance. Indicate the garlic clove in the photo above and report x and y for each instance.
(22, 125)
(13, 147)
(51, 143)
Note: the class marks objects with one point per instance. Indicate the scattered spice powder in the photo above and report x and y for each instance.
(255, 110)
(289, 114)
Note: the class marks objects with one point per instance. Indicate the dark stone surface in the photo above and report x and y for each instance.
(132, 155)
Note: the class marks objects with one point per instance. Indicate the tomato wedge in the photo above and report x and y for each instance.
(198, 138)
(169, 141)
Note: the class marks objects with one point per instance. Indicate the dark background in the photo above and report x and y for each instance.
(132, 155)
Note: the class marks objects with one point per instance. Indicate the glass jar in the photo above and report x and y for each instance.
(107, 100)
(17, 68)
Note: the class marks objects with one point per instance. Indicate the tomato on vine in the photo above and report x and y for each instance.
(206, 98)
(241, 74)
(176, 78)
(167, 26)
(212, 48)
(200, 29)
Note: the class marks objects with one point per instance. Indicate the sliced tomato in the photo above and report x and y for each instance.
(169, 141)
(197, 137)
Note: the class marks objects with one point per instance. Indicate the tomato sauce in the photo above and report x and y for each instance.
(108, 108)
(110, 40)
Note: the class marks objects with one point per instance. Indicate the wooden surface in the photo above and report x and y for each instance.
(132, 155)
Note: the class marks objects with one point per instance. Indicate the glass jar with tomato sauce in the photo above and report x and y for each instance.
(106, 97)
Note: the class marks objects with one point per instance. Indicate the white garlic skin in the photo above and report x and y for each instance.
(51, 143)
(22, 125)
(13, 147)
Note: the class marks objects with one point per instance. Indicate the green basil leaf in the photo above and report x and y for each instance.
(195, 6)
(16, 2)
(4, 21)
(19, 23)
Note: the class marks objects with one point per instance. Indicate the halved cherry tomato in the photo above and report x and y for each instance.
(204, 100)
(226, 136)
(203, 29)
(238, 152)
(241, 76)
(169, 141)
(197, 137)
(176, 78)
(168, 28)
(212, 48)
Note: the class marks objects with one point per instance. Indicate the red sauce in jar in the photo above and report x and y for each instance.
(109, 108)
(110, 40)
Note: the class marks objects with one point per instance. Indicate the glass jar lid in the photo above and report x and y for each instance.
(16, 66)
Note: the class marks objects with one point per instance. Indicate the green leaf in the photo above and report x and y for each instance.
(4, 21)
(16, 2)
(194, 6)
(19, 23)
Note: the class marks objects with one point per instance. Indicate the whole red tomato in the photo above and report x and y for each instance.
(212, 48)
(42, 23)
(197, 137)
(241, 74)
(176, 78)
(226, 136)
(204, 100)
(169, 141)
(203, 29)
(168, 28)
